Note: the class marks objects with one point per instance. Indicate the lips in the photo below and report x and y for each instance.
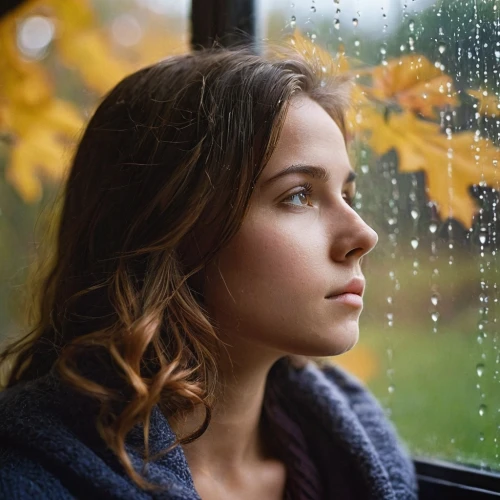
(356, 287)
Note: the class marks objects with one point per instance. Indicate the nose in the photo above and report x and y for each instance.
(352, 237)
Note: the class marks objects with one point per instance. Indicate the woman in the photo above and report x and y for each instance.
(206, 245)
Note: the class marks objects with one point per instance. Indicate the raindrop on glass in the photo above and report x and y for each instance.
(313, 8)
(434, 299)
(365, 169)
(442, 48)
(411, 25)
(414, 214)
(483, 235)
(355, 21)
(414, 243)
(480, 369)
(433, 227)
(336, 24)
(482, 410)
(434, 316)
(391, 388)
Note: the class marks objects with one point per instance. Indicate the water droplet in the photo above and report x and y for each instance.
(497, 54)
(481, 436)
(355, 21)
(414, 214)
(389, 300)
(414, 243)
(433, 227)
(391, 389)
(383, 51)
(365, 169)
(442, 48)
(480, 369)
(336, 24)
(483, 235)
(411, 25)
(357, 43)
(313, 9)
(434, 299)
(482, 410)
(434, 316)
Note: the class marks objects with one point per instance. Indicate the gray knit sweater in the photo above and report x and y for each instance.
(49, 448)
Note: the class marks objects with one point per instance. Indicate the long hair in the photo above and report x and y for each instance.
(160, 181)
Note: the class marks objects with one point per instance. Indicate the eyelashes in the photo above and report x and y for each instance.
(304, 195)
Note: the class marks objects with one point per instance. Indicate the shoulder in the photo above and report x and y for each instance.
(22, 478)
(393, 452)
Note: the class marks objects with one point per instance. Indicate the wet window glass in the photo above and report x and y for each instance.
(426, 146)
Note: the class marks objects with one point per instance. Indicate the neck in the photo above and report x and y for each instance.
(235, 437)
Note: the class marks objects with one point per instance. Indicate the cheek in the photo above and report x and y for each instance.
(267, 259)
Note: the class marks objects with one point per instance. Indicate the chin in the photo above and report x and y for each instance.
(334, 344)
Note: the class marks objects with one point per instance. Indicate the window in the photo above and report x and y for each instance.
(426, 145)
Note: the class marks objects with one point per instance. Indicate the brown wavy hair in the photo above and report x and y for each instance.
(160, 181)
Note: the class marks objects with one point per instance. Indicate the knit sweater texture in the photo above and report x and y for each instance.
(50, 449)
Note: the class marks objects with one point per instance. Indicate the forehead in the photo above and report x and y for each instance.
(310, 136)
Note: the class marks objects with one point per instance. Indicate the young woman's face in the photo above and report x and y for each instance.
(277, 283)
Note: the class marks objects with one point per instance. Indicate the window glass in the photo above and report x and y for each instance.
(58, 59)
(426, 148)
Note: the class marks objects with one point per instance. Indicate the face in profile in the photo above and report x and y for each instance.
(278, 284)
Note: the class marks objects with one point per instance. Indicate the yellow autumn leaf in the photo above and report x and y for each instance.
(41, 146)
(312, 50)
(489, 104)
(83, 45)
(414, 83)
(422, 147)
(40, 125)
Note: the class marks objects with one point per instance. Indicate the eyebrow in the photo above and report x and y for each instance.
(312, 171)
